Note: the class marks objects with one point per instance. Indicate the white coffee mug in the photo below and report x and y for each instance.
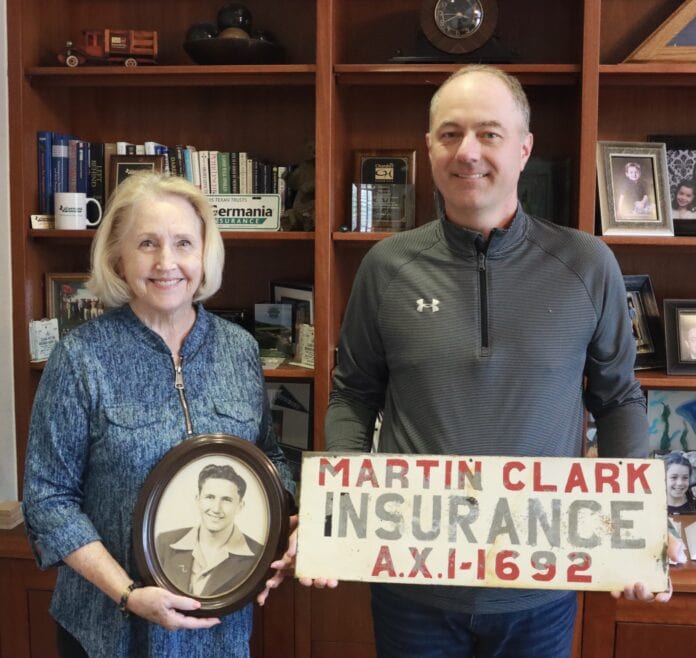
(70, 210)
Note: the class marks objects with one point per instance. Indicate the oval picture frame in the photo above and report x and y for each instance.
(195, 490)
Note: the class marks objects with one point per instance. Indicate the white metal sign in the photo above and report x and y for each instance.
(543, 523)
(246, 212)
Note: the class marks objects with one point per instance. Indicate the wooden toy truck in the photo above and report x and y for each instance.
(127, 47)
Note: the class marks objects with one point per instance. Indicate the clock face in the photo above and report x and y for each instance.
(458, 26)
(458, 18)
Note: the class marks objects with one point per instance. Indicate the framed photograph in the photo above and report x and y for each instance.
(383, 194)
(208, 489)
(301, 297)
(291, 410)
(633, 188)
(544, 189)
(645, 321)
(68, 300)
(681, 172)
(123, 166)
(680, 336)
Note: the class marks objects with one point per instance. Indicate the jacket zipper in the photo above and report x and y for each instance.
(483, 302)
(179, 385)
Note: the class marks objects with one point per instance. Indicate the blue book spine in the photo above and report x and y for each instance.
(60, 162)
(188, 165)
(82, 183)
(44, 143)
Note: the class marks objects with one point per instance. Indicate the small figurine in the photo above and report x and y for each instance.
(127, 47)
(301, 179)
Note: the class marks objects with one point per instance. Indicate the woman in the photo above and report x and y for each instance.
(116, 394)
(680, 500)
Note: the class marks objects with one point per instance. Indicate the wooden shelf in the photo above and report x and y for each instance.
(435, 74)
(660, 379)
(227, 236)
(173, 76)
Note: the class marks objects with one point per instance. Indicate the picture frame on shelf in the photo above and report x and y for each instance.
(292, 404)
(645, 321)
(301, 297)
(69, 300)
(680, 336)
(633, 189)
(122, 166)
(171, 505)
(681, 171)
(383, 192)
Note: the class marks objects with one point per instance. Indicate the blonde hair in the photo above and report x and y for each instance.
(513, 84)
(104, 280)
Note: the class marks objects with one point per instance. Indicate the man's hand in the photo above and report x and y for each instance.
(639, 592)
(286, 566)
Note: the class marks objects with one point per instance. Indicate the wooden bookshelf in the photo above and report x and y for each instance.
(335, 86)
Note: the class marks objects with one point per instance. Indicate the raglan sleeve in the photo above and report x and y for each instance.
(360, 376)
(613, 394)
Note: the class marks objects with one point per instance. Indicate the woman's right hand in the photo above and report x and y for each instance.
(164, 608)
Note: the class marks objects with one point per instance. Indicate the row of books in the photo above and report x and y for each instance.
(69, 164)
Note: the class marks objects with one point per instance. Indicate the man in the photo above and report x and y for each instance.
(485, 332)
(216, 556)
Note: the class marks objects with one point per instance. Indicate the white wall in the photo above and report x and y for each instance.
(8, 471)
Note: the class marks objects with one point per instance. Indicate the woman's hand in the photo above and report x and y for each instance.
(164, 608)
(286, 566)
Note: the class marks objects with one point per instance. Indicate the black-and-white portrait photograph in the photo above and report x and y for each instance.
(210, 519)
(686, 329)
(634, 188)
(207, 540)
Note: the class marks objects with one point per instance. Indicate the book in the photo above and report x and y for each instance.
(97, 189)
(43, 337)
(44, 142)
(10, 514)
(204, 171)
(234, 172)
(110, 149)
(60, 162)
(82, 170)
(243, 187)
(224, 182)
(122, 148)
(188, 164)
(213, 171)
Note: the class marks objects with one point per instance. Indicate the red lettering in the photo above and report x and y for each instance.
(576, 478)
(396, 469)
(448, 474)
(606, 474)
(538, 486)
(326, 466)
(384, 563)
(637, 472)
(427, 465)
(507, 483)
(367, 474)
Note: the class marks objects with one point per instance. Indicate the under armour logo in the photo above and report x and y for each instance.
(434, 306)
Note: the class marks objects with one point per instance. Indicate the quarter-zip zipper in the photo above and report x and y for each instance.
(179, 385)
(483, 299)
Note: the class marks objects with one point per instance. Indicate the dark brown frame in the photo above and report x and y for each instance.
(53, 282)
(649, 318)
(154, 163)
(673, 309)
(150, 497)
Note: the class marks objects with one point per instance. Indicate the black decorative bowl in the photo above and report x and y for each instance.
(233, 51)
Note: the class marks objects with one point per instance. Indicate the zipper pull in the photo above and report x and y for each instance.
(178, 377)
(482, 262)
